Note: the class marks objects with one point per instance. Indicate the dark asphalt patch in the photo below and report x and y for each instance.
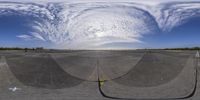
(171, 77)
(84, 65)
(117, 66)
(78, 66)
(153, 69)
(156, 76)
(40, 71)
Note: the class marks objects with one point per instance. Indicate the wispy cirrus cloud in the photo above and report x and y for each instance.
(25, 37)
(91, 24)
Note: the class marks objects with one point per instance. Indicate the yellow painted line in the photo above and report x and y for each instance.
(102, 82)
(103, 79)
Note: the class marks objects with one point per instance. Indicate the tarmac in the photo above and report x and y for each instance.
(100, 75)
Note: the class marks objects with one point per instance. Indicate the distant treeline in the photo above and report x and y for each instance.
(18, 48)
(187, 48)
(41, 48)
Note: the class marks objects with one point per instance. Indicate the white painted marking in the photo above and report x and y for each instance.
(2, 61)
(197, 54)
(14, 89)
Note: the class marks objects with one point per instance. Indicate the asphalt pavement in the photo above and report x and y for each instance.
(99, 75)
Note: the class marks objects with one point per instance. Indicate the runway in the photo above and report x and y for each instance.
(99, 75)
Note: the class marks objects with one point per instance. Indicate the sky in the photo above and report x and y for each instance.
(105, 24)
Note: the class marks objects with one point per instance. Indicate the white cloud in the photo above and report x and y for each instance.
(38, 36)
(25, 37)
(87, 25)
(111, 24)
(174, 14)
(27, 9)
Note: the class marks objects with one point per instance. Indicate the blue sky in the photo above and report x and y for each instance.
(186, 35)
(57, 26)
(11, 26)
